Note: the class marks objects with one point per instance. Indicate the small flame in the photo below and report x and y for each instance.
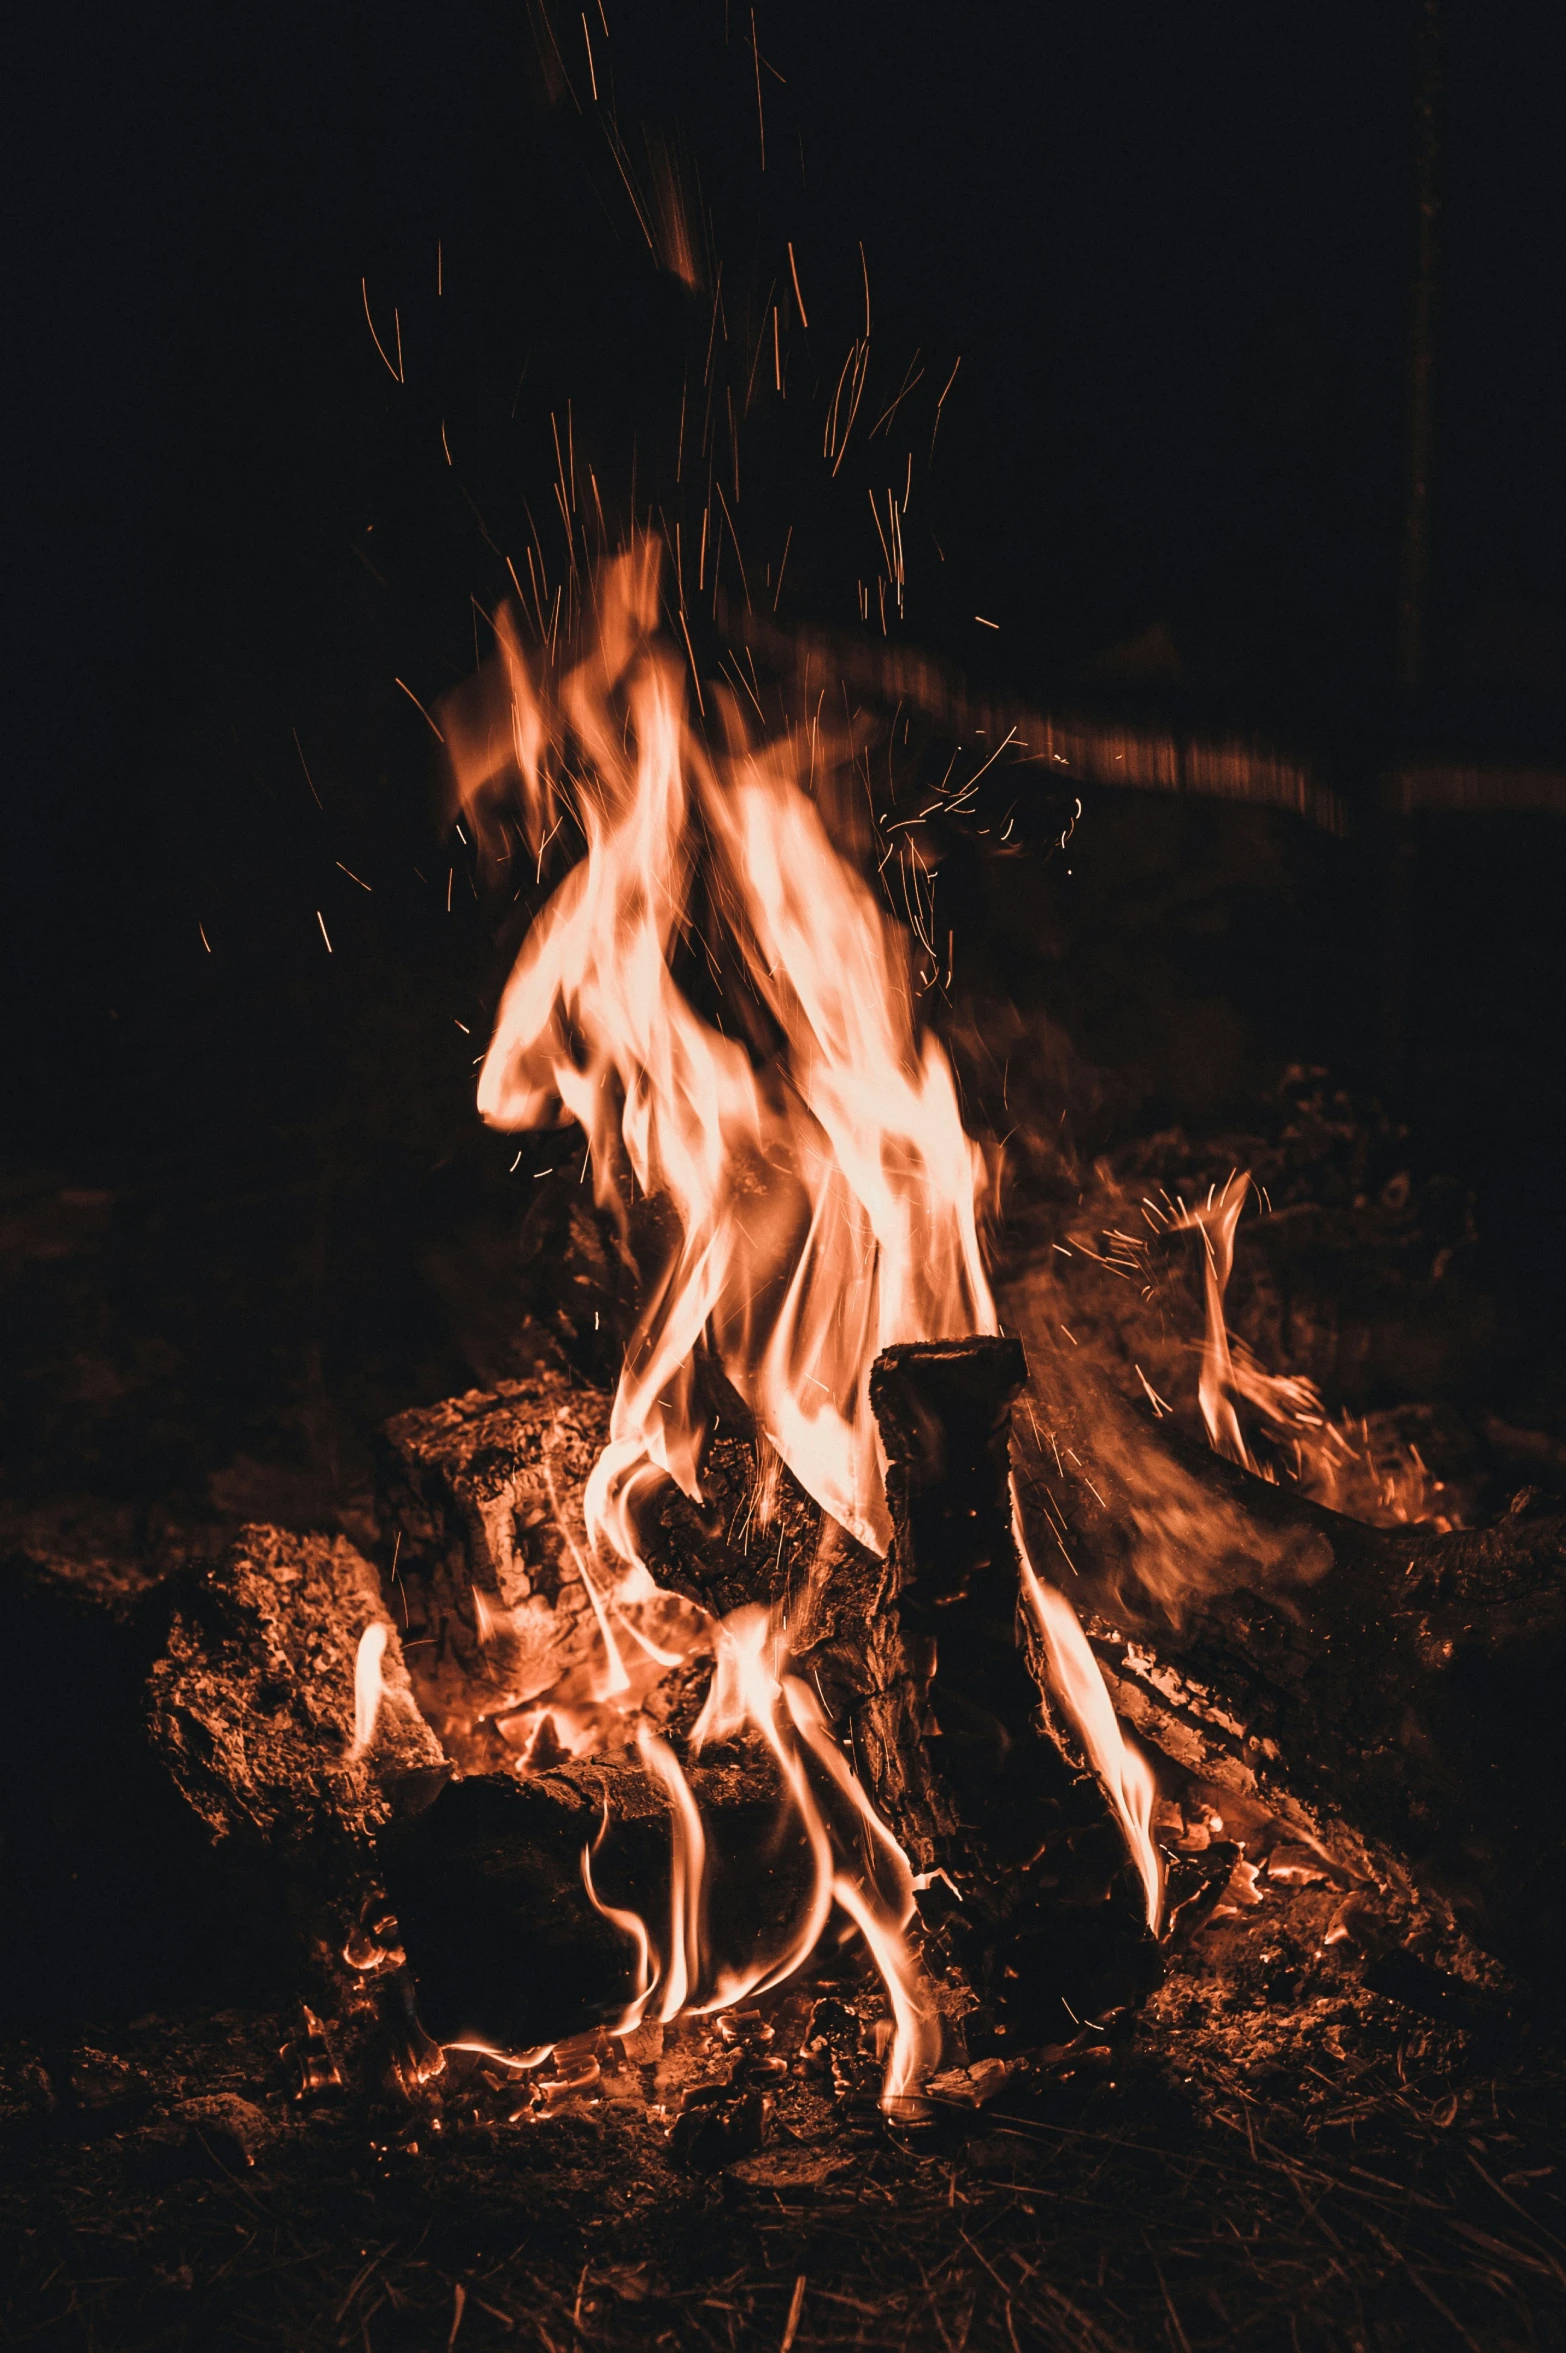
(1073, 1671)
(1215, 1389)
(632, 1926)
(745, 1694)
(1329, 1460)
(368, 1688)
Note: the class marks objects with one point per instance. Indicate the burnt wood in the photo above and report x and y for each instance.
(1031, 1898)
(1392, 1692)
(499, 1931)
(251, 1705)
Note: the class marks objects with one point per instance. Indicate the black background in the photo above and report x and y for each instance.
(1172, 247)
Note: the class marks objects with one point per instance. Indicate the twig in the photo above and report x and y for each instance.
(795, 2307)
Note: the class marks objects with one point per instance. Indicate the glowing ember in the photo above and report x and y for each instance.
(818, 1194)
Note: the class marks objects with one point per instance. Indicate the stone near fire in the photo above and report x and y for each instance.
(251, 1706)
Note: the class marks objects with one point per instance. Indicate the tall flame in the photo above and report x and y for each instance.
(824, 1200)
(817, 1183)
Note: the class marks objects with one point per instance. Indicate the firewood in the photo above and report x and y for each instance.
(116, 1900)
(915, 1657)
(1389, 1692)
(1051, 1923)
(252, 1705)
(479, 1497)
(499, 1930)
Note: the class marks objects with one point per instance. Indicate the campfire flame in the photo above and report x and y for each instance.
(807, 1152)
(1327, 1460)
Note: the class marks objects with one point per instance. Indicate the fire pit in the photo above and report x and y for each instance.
(912, 1782)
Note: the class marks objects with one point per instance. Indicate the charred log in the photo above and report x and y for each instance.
(116, 1897)
(250, 1712)
(478, 1496)
(502, 1936)
(1388, 1692)
(1051, 1924)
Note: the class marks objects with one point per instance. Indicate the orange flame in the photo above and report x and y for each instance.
(1073, 1670)
(821, 1193)
(1328, 1459)
(368, 1688)
(825, 1204)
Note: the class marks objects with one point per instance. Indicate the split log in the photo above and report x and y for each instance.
(1390, 1693)
(479, 1497)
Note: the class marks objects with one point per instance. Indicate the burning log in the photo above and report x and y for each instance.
(1026, 1897)
(964, 1742)
(481, 1492)
(1388, 1692)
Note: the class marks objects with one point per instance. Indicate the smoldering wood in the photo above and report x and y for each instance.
(249, 1708)
(1389, 1692)
(116, 1898)
(478, 1497)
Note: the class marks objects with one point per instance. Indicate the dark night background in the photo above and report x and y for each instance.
(1172, 246)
